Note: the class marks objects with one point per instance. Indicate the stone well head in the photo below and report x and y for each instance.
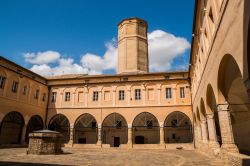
(45, 142)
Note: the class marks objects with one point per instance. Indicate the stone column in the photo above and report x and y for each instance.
(130, 137)
(198, 127)
(162, 134)
(99, 138)
(204, 131)
(226, 129)
(71, 135)
(24, 129)
(213, 142)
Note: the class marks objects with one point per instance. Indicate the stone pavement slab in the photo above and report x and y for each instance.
(112, 156)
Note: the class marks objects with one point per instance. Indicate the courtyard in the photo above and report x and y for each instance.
(111, 156)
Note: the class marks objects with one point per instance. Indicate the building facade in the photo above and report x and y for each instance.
(128, 109)
(219, 72)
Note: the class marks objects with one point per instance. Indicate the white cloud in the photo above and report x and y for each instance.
(41, 58)
(64, 66)
(163, 49)
(96, 64)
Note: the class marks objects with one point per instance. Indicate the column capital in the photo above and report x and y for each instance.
(130, 126)
(99, 126)
(203, 121)
(223, 107)
(210, 116)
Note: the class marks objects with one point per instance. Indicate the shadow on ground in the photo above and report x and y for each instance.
(6, 163)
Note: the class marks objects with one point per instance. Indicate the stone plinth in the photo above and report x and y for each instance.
(45, 142)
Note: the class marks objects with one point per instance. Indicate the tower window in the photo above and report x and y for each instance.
(121, 94)
(95, 96)
(2, 81)
(182, 92)
(14, 86)
(67, 96)
(168, 93)
(137, 94)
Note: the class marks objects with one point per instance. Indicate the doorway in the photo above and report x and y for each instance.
(82, 141)
(116, 141)
(139, 140)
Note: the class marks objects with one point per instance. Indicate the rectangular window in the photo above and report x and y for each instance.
(182, 92)
(121, 94)
(44, 97)
(24, 90)
(137, 94)
(53, 97)
(67, 96)
(95, 96)
(36, 94)
(14, 86)
(2, 81)
(168, 93)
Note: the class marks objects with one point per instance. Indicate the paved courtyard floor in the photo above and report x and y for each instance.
(73, 156)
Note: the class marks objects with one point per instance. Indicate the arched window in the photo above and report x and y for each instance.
(11, 128)
(35, 123)
(60, 123)
(85, 130)
(114, 130)
(177, 128)
(146, 129)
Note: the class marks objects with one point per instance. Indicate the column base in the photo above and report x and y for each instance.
(232, 148)
(215, 147)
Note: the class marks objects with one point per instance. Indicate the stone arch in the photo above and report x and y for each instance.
(202, 110)
(212, 110)
(177, 128)
(114, 130)
(85, 129)
(35, 123)
(11, 128)
(198, 115)
(60, 123)
(232, 91)
(146, 129)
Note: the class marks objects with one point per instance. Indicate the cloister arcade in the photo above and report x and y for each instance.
(114, 130)
(223, 118)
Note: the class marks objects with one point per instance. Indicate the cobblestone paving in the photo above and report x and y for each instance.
(111, 156)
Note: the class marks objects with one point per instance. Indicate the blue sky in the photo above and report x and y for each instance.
(74, 28)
